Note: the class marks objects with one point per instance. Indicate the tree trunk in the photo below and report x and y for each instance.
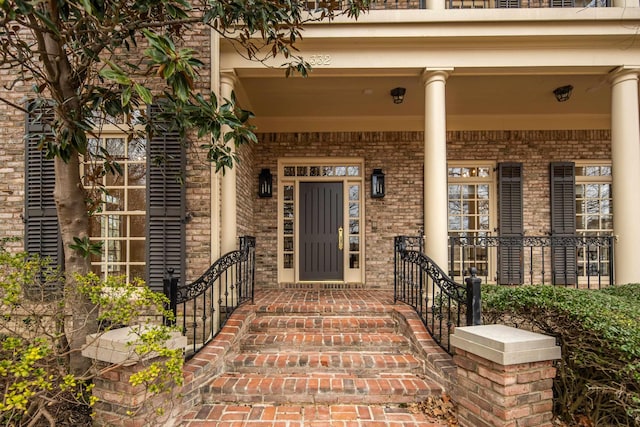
(68, 192)
(74, 222)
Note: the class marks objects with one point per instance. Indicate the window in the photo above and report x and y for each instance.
(140, 216)
(119, 219)
(594, 212)
(594, 215)
(470, 189)
(581, 206)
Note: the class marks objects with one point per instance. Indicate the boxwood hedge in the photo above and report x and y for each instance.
(599, 334)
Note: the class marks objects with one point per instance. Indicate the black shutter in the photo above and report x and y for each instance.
(42, 235)
(165, 203)
(562, 178)
(510, 253)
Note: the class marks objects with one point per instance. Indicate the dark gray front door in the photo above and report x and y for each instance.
(321, 213)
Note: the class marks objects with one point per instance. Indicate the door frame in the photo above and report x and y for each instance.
(290, 274)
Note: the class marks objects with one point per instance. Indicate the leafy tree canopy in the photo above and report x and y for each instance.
(97, 61)
(105, 58)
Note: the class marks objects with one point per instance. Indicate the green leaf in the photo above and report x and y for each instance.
(85, 248)
(144, 93)
(87, 6)
(126, 96)
(116, 76)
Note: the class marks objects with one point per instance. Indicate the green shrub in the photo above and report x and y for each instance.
(599, 335)
(35, 377)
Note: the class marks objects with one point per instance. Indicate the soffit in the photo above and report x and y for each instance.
(503, 76)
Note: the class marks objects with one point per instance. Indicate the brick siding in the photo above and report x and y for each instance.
(400, 155)
(494, 395)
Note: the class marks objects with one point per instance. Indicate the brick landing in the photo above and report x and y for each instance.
(343, 358)
(306, 416)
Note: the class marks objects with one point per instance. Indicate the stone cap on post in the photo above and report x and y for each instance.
(117, 346)
(505, 345)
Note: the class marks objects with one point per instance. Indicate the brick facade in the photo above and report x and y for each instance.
(12, 160)
(400, 155)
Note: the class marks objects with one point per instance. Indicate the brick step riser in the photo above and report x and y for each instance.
(362, 366)
(324, 341)
(326, 391)
(320, 324)
(311, 330)
(299, 370)
(324, 399)
(308, 346)
(326, 311)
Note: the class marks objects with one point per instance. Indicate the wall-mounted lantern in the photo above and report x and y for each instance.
(265, 183)
(377, 184)
(397, 93)
(563, 93)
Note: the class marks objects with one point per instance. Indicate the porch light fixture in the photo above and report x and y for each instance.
(377, 184)
(563, 93)
(398, 94)
(265, 183)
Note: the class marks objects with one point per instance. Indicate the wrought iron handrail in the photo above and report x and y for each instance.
(583, 261)
(202, 307)
(317, 5)
(525, 4)
(441, 303)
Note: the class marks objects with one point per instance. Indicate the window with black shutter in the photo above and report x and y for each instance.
(42, 235)
(563, 222)
(166, 203)
(511, 227)
(140, 219)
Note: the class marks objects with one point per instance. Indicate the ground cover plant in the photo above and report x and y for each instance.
(598, 376)
(37, 385)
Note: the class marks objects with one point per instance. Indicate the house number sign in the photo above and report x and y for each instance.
(319, 60)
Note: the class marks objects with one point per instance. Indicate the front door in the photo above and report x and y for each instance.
(321, 231)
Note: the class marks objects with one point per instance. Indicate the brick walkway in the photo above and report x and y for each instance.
(318, 358)
(306, 416)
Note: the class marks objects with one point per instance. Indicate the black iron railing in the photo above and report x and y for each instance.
(201, 308)
(316, 5)
(525, 4)
(441, 303)
(580, 261)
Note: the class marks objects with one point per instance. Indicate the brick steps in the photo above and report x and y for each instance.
(332, 350)
(257, 415)
(317, 388)
(328, 361)
(301, 341)
(316, 323)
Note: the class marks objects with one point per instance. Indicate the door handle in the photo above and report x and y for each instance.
(340, 238)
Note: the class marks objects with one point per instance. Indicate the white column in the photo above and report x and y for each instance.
(435, 166)
(228, 217)
(625, 159)
(435, 4)
(215, 179)
(624, 3)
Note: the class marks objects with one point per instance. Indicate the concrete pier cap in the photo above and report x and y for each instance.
(118, 345)
(505, 345)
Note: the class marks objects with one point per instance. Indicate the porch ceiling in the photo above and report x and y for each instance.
(474, 100)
